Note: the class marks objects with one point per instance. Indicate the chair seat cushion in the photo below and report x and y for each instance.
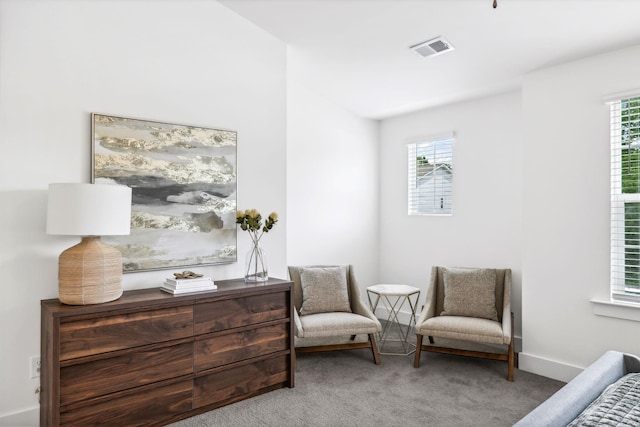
(464, 328)
(336, 324)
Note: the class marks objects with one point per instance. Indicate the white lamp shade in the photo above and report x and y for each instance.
(89, 209)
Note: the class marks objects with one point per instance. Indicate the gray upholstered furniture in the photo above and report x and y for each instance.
(569, 402)
(468, 312)
(317, 327)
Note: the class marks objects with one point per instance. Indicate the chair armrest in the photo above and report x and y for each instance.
(359, 307)
(357, 304)
(507, 327)
(506, 309)
(506, 324)
(297, 325)
(429, 310)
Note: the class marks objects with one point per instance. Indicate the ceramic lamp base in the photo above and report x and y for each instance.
(90, 273)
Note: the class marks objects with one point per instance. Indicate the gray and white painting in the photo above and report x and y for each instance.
(183, 181)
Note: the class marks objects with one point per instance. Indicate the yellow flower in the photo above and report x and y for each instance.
(251, 221)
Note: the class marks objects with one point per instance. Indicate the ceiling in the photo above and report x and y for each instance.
(356, 52)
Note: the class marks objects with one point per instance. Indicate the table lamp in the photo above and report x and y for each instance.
(91, 271)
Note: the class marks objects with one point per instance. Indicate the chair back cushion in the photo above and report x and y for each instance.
(320, 279)
(470, 293)
(498, 289)
(324, 290)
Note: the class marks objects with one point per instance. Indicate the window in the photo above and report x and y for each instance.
(625, 199)
(430, 176)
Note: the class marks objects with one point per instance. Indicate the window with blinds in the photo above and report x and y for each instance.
(625, 199)
(430, 173)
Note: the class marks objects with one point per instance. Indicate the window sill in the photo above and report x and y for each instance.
(617, 309)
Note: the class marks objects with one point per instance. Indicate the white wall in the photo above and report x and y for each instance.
(566, 213)
(190, 62)
(530, 186)
(332, 182)
(485, 228)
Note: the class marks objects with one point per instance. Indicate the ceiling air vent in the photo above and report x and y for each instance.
(433, 47)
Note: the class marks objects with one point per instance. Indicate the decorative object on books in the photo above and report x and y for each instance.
(184, 190)
(187, 275)
(256, 261)
(91, 271)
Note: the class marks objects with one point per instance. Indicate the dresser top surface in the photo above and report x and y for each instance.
(154, 297)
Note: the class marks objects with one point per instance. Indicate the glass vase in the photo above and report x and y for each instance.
(256, 265)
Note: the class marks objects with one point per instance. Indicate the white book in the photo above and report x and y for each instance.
(184, 283)
(198, 285)
(187, 291)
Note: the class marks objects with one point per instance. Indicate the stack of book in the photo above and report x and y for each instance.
(185, 286)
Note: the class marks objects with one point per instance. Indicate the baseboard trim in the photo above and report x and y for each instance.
(548, 368)
(28, 418)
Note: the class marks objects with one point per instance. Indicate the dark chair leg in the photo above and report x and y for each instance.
(510, 369)
(374, 348)
(353, 337)
(416, 357)
(430, 339)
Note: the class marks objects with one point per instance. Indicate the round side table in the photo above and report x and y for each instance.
(393, 298)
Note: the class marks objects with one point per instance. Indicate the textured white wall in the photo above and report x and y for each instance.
(566, 213)
(332, 183)
(485, 228)
(191, 62)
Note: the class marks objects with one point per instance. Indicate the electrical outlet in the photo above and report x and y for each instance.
(35, 366)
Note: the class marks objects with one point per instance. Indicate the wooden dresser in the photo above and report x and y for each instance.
(151, 358)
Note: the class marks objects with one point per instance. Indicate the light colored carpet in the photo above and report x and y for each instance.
(345, 388)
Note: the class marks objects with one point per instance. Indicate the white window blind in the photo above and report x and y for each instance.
(430, 176)
(625, 199)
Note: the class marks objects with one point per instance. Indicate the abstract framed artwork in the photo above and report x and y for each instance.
(183, 181)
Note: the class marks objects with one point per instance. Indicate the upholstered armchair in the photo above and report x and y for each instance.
(468, 312)
(329, 312)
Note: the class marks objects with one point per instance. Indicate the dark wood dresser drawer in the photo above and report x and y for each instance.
(145, 407)
(222, 349)
(138, 360)
(133, 369)
(237, 382)
(103, 334)
(233, 313)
